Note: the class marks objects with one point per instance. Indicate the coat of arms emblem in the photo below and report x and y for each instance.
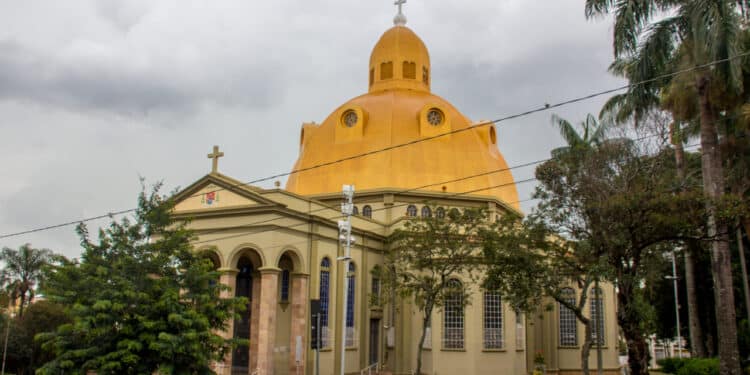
(209, 198)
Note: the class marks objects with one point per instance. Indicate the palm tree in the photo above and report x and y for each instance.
(593, 134)
(709, 29)
(23, 270)
(578, 144)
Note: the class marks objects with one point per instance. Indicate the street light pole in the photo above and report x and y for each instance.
(676, 302)
(345, 237)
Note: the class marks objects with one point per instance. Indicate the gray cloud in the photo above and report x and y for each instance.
(110, 84)
(95, 93)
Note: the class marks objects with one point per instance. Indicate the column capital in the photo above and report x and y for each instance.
(264, 270)
(228, 271)
(301, 275)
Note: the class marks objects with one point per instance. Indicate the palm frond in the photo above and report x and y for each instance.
(567, 131)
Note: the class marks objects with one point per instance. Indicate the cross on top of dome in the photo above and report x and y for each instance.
(400, 19)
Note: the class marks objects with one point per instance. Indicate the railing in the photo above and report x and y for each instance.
(369, 369)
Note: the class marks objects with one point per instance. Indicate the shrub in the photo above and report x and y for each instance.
(700, 366)
(672, 365)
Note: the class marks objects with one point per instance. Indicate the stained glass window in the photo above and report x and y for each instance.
(325, 279)
(350, 306)
(285, 286)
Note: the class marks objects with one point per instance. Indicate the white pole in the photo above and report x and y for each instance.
(676, 305)
(7, 333)
(345, 236)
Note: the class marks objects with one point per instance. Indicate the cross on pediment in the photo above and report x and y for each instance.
(215, 156)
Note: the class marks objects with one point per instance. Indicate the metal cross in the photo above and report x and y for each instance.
(399, 3)
(215, 156)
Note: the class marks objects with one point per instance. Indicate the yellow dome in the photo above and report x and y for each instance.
(396, 111)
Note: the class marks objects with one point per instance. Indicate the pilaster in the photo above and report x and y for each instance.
(269, 284)
(228, 277)
(299, 328)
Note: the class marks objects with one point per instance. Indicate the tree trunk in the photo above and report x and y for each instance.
(697, 341)
(425, 324)
(743, 268)
(629, 319)
(586, 348)
(21, 304)
(721, 267)
(697, 346)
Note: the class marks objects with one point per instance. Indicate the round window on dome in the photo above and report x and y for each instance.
(435, 117)
(350, 118)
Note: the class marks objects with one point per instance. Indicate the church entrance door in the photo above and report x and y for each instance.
(243, 288)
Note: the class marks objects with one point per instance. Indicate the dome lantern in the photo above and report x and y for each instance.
(399, 60)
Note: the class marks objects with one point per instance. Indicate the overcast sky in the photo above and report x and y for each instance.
(94, 94)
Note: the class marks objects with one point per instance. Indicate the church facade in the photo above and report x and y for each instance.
(408, 153)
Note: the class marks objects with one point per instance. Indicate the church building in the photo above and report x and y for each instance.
(408, 153)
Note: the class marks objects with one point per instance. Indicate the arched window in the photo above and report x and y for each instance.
(426, 212)
(596, 303)
(493, 321)
(454, 213)
(453, 318)
(410, 70)
(425, 75)
(355, 210)
(568, 324)
(440, 213)
(411, 210)
(386, 70)
(284, 286)
(372, 76)
(367, 211)
(325, 301)
(350, 305)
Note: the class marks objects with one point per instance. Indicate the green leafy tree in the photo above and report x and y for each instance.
(23, 272)
(426, 256)
(695, 33)
(25, 355)
(140, 299)
(529, 260)
(616, 203)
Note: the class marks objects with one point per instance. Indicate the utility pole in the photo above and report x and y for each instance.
(345, 237)
(676, 302)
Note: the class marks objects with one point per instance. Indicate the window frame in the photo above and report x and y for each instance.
(454, 321)
(566, 317)
(492, 319)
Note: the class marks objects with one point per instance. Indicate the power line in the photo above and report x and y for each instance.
(374, 210)
(543, 108)
(248, 233)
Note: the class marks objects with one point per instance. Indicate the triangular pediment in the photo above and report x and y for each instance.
(216, 191)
